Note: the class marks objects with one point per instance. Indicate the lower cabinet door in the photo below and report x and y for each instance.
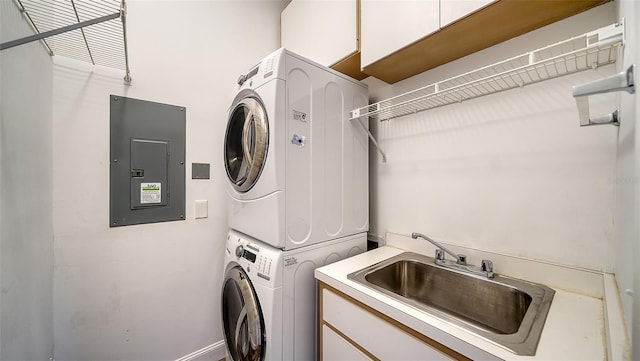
(336, 348)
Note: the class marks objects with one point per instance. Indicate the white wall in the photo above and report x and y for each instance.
(511, 172)
(26, 224)
(149, 292)
(628, 182)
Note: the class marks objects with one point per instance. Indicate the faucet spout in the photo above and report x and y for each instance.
(460, 258)
(486, 269)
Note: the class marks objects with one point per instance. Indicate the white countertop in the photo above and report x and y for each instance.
(574, 329)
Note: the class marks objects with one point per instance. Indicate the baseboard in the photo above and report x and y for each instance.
(215, 351)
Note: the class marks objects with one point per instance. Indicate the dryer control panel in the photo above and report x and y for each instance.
(251, 254)
(256, 258)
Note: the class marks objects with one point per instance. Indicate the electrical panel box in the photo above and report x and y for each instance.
(147, 164)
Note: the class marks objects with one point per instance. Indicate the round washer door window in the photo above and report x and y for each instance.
(246, 142)
(242, 318)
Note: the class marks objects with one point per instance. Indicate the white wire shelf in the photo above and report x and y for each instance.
(85, 30)
(587, 51)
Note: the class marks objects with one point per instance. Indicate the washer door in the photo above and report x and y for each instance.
(242, 318)
(246, 142)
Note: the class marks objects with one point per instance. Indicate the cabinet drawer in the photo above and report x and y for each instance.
(336, 348)
(381, 338)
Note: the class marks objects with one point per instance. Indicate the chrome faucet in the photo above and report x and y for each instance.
(486, 268)
(460, 258)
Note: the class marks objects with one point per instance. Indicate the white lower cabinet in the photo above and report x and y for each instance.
(351, 330)
(336, 348)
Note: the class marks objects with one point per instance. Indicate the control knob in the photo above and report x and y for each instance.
(239, 251)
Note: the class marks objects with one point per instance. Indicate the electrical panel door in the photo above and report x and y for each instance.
(147, 179)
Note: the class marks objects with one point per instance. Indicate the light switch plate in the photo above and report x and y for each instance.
(202, 208)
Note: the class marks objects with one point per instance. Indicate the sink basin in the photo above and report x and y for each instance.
(506, 311)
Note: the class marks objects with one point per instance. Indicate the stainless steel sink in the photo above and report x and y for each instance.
(506, 311)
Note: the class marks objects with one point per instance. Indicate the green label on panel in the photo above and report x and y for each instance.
(150, 193)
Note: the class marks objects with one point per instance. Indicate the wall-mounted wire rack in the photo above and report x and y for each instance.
(587, 51)
(85, 30)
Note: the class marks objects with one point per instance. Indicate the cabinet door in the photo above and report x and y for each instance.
(389, 25)
(336, 348)
(453, 10)
(323, 31)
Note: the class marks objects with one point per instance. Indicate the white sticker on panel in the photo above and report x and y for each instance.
(290, 261)
(150, 193)
(299, 116)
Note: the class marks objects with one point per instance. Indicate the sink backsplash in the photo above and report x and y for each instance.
(583, 281)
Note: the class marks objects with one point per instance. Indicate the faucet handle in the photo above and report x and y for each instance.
(487, 266)
(439, 254)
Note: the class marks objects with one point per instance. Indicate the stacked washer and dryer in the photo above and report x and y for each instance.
(298, 199)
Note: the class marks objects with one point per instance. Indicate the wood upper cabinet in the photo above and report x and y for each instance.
(390, 25)
(393, 40)
(468, 26)
(453, 10)
(323, 31)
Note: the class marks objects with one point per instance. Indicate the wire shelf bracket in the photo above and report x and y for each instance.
(619, 82)
(54, 23)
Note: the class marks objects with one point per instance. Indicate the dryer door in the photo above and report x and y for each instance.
(246, 142)
(242, 318)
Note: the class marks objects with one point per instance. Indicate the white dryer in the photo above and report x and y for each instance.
(297, 166)
(269, 296)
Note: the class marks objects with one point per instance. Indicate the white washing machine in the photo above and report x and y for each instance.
(297, 166)
(269, 296)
